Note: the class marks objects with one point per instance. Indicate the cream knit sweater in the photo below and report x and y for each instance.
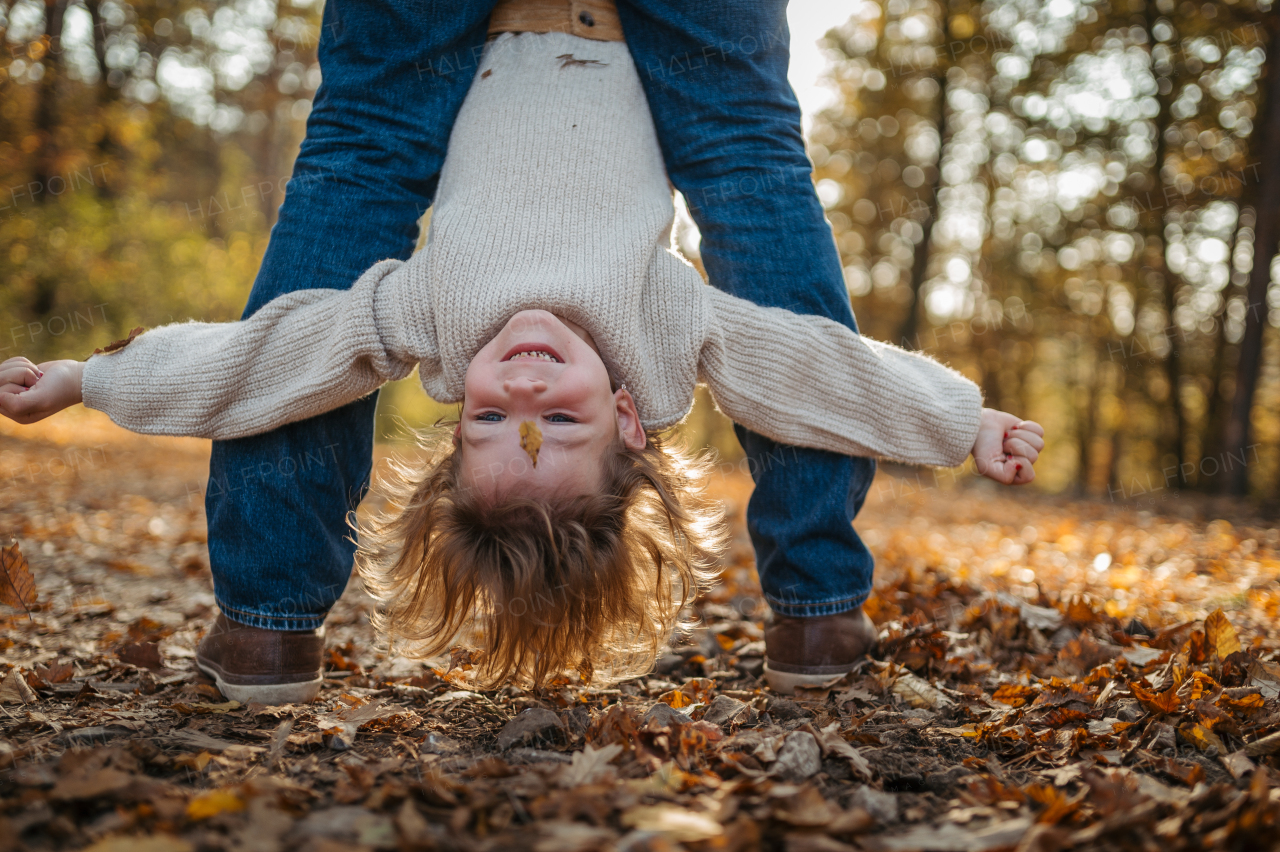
(553, 195)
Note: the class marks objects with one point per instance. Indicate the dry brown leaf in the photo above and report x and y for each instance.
(56, 672)
(153, 843)
(117, 345)
(1164, 702)
(1015, 695)
(919, 693)
(144, 655)
(17, 586)
(1221, 634)
(589, 766)
(678, 824)
(15, 689)
(530, 439)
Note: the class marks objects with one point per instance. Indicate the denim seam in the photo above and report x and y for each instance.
(311, 622)
(808, 610)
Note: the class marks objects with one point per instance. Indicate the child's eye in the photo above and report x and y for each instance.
(490, 417)
(560, 418)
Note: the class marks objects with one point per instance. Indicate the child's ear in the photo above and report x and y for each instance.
(629, 425)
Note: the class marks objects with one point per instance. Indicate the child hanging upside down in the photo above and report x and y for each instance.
(556, 527)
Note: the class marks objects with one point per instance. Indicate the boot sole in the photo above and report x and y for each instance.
(785, 683)
(302, 692)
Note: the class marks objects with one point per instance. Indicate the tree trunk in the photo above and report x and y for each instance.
(920, 261)
(1223, 366)
(46, 160)
(1237, 436)
(1166, 282)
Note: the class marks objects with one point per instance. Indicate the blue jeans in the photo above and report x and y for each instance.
(394, 78)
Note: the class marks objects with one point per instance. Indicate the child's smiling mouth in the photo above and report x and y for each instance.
(532, 351)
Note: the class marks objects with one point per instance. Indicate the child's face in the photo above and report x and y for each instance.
(542, 369)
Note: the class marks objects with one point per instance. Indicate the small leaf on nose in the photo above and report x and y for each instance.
(530, 439)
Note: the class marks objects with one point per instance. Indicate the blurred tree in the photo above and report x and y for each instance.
(1094, 168)
(146, 147)
(1266, 235)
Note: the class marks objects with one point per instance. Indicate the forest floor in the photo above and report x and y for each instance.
(1053, 674)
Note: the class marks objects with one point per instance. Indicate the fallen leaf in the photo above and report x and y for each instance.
(206, 707)
(831, 743)
(1245, 704)
(1269, 744)
(1202, 737)
(1266, 677)
(134, 843)
(918, 692)
(1164, 702)
(56, 672)
(953, 838)
(1238, 764)
(677, 699)
(530, 439)
(1035, 617)
(563, 836)
(17, 586)
(1221, 634)
(1015, 695)
(117, 345)
(15, 689)
(680, 825)
(589, 765)
(213, 803)
(193, 761)
(144, 655)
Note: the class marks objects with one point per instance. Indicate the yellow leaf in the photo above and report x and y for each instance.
(530, 439)
(194, 761)
(1203, 737)
(676, 699)
(1221, 634)
(213, 803)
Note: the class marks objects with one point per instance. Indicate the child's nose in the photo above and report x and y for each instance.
(524, 385)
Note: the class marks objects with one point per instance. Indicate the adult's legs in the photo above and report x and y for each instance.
(716, 77)
(394, 78)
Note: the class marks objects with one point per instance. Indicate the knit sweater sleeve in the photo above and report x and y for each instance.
(300, 355)
(811, 382)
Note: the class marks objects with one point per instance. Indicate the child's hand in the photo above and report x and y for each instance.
(1006, 447)
(18, 374)
(29, 392)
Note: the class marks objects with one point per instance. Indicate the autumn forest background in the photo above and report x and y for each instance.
(1073, 202)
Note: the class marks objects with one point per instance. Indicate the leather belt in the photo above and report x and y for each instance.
(593, 19)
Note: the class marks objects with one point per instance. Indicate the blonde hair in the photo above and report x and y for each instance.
(593, 582)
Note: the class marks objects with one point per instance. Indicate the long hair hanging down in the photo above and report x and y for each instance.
(541, 587)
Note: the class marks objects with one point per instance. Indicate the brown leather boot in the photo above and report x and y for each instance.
(815, 650)
(266, 666)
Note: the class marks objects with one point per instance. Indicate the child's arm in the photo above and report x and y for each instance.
(300, 355)
(811, 382)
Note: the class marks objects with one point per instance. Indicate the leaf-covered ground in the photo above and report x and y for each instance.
(1053, 675)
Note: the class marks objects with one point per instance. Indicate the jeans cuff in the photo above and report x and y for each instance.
(270, 622)
(809, 610)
